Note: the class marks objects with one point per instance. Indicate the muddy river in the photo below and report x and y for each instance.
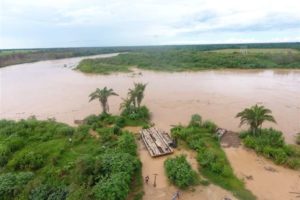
(50, 89)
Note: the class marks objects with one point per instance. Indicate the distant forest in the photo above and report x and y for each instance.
(18, 56)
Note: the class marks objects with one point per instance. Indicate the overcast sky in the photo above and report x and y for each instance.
(73, 23)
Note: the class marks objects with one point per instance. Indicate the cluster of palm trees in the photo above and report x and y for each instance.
(255, 116)
(134, 99)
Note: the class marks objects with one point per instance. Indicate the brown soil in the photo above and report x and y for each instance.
(230, 139)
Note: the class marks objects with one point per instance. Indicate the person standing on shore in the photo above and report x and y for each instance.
(146, 179)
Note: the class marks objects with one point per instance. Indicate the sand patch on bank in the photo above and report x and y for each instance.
(267, 180)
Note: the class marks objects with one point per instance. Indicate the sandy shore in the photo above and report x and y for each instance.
(268, 181)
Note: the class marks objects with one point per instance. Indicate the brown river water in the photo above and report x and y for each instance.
(48, 89)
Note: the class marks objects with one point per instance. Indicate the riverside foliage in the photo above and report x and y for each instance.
(180, 172)
(200, 136)
(51, 160)
(191, 60)
(270, 143)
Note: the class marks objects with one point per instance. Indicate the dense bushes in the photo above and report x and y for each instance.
(62, 162)
(47, 192)
(12, 183)
(270, 143)
(180, 172)
(210, 156)
(190, 59)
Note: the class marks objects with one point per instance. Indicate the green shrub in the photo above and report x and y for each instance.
(270, 143)
(211, 126)
(196, 120)
(12, 183)
(28, 160)
(180, 172)
(120, 122)
(293, 163)
(116, 130)
(74, 168)
(211, 158)
(66, 131)
(115, 187)
(47, 192)
(250, 142)
(126, 143)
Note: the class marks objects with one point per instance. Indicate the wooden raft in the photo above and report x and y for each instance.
(156, 141)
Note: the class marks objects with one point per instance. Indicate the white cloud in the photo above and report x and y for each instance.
(151, 21)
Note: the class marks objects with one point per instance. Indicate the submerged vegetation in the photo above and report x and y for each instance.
(200, 136)
(191, 60)
(51, 160)
(180, 172)
(267, 142)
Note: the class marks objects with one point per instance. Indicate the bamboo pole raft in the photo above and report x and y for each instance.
(156, 141)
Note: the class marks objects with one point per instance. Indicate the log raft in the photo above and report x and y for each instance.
(156, 141)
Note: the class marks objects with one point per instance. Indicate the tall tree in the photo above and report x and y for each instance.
(255, 117)
(102, 95)
(139, 88)
(136, 95)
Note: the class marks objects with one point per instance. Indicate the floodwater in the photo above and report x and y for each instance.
(50, 89)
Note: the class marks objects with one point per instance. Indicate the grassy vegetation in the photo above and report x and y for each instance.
(180, 172)
(17, 56)
(254, 50)
(270, 143)
(183, 60)
(51, 160)
(94, 66)
(200, 136)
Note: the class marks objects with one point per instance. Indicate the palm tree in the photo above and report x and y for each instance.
(136, 95)
(255, 116)
(140, 88)
(125, 104)
(132, 94)
(103, 95)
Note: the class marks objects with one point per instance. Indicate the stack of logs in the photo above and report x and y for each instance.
(156, 141)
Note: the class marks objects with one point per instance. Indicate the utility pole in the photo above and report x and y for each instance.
(154, 184)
